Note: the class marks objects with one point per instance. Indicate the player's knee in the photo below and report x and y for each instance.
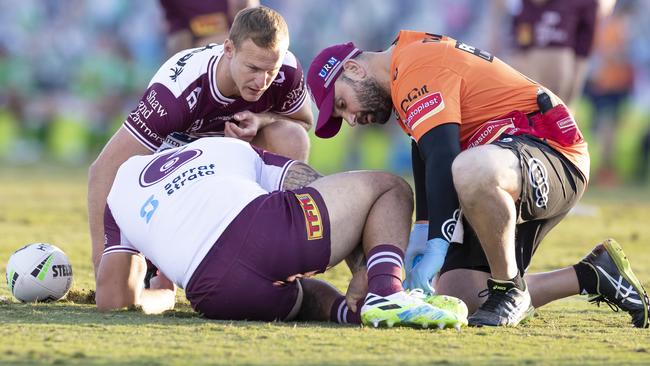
(397, 184)
(466, 172)
(477, 171)
(405, 191)
(284, 138)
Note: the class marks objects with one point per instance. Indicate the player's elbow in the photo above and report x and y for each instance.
(107, 300)
(95, 169)
(110, 296)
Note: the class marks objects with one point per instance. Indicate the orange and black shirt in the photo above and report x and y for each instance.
(438, 80)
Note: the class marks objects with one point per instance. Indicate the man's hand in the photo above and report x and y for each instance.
(357, 289)
(429, 265)
(248, 123)
(415, 250)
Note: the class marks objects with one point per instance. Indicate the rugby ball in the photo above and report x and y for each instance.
(39, 272)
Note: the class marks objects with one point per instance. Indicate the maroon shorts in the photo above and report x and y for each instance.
(277, 235)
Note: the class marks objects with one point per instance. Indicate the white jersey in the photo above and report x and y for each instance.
(173, 206)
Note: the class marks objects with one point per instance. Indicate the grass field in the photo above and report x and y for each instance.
(49, 206)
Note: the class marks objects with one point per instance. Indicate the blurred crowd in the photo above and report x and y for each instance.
(70, 71)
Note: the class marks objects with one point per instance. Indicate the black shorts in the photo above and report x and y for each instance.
(551, 186)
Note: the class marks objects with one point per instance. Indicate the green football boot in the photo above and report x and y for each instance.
(402, 309)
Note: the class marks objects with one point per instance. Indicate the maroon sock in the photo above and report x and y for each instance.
(385, 269)
(342, 314)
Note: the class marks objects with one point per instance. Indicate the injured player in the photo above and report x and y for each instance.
(234, 226)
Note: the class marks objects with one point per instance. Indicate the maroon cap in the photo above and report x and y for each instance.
(323, 72)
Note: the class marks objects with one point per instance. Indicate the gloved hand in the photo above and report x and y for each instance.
(428, 266)
(416, 247)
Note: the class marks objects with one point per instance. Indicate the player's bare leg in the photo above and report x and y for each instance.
(318, 300)
(466, 284)
(605, 273)
(284, 138)
(488, 182)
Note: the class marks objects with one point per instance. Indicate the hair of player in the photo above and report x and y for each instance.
(264, 26)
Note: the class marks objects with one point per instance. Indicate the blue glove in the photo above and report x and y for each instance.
(416, 247)
(428, 266)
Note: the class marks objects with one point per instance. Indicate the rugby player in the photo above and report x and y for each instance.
(553, 40)
(490, 141)
(212, 217)
(195, 23)
(251, 88)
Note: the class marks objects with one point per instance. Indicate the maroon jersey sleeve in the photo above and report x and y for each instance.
(157, 114)
(291, 89)
(114, 241)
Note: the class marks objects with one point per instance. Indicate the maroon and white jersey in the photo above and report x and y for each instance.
(172, 206)
(202, 17)
(183, 97)
(555, 23)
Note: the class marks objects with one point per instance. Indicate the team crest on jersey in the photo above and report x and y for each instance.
(313, 221)
(425, 107)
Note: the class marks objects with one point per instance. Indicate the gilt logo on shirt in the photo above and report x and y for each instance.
(313, 221)
(424, 108)
(412, 95)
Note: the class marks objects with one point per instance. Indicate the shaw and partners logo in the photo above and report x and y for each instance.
(313, 221)
(165, 164)
(329, 66)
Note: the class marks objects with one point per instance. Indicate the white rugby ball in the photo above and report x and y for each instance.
(39, 272)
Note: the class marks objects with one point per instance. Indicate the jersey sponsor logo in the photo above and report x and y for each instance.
(449, 226)
(280, 78)
(474, 51)
(412, 95)
(313, 221)
(193, 98)
(180, 64)
(149, 208)
(144, 110)
(538, 176)
(424, 108)
(549, 29)
(188, 176)
(489, 132)
(165, 164)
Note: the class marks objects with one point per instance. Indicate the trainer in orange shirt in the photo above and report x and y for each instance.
(490, 141)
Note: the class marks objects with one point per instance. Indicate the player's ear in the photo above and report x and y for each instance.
(228, 48)
(354, 69)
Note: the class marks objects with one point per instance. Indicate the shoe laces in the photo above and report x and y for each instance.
(600, 298)
(418, 293)
(494, 299)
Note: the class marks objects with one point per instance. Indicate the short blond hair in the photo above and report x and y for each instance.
(264, 26)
